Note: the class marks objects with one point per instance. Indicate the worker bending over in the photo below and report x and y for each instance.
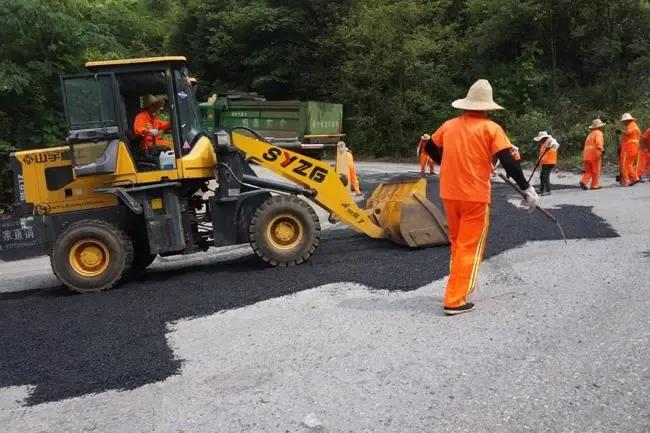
(548, 147)
(629, 150)
(425, 159)
(149, 127)
(644, 156)
(465, 146)
(592, 155)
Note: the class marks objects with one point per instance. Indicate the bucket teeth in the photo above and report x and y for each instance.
(406, 216)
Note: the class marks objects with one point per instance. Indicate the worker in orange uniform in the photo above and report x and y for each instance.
(644, 156)
(352, 174)
(548, 147)
(629, 150)
(149, 127)
(425, 159)
(465, 146)
(592, 155)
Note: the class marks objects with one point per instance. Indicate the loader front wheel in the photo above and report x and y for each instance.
(284, 231)
(91, 256)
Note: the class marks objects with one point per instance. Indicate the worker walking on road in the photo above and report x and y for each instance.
(592, 155)
(352, 174)
(629, 150)
(425, 159)
(548, 147)
(465, 146)
(644, 156)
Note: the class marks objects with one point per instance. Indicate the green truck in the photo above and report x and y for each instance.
(308, 127)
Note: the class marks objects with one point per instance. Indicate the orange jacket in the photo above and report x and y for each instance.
(631, 137)
(550, 157)
(594, 145)
(644, 144)
(469, 142)
(143, 123)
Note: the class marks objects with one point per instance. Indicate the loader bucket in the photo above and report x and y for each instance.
(402, 209)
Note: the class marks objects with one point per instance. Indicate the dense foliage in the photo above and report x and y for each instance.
(395, 64)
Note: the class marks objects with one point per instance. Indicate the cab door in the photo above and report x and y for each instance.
(92, 120)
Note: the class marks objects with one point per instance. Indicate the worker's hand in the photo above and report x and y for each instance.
(425, 137)
(155, 132)
(532, 199)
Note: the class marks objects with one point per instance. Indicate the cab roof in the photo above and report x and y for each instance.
(109, 64)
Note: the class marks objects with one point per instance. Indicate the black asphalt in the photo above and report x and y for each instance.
(69, 345)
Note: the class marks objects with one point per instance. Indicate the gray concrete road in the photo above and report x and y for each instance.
(559, 343)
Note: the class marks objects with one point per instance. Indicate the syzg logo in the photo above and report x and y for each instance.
(301, 167)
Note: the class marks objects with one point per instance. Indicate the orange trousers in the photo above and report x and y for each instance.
(627, 163)
(644, 164)
(354, 181)
(469, 223)
(592, 173)
(425, 161)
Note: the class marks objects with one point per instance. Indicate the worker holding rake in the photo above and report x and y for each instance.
(548, 147)
(464, 147)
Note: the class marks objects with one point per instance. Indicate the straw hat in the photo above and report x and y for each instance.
(479, 98)
(627, 116)
(149, 100)
(597, 123)
(541, 135)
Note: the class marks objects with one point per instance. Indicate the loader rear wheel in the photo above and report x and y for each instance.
(284, 231)
(90, 256)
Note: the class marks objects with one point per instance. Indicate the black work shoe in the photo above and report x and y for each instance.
(452, 311)
(583, 186)
(634, 182)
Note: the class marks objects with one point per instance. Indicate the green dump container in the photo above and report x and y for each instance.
(307, 126)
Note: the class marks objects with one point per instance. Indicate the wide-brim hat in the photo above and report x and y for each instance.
(626, 117)
(541, 135)
(597, 123)
(479, 98)
(149, 100)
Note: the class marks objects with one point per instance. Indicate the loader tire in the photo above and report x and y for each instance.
(284, 231)
(91, 256)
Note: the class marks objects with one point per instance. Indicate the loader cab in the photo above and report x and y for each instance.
(101, 108)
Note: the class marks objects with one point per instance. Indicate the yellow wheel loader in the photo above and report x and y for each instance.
(104, 204)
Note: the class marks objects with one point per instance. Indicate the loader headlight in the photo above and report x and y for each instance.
(223, 138)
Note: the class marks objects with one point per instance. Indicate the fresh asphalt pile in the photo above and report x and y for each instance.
(67, 345)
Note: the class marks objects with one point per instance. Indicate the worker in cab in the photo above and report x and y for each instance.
(149, 127)
(425, 159)
(592, 155)
(352, 173)
(644, 156)
(464, 148)
(547, 159)
(629, 150)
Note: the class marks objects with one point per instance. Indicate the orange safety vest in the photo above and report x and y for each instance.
(594, 145)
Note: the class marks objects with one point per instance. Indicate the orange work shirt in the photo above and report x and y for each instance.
(143, 123)
(469, 142)
(594, 145)
(550, 157)
(645, 141)
(631, 137)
